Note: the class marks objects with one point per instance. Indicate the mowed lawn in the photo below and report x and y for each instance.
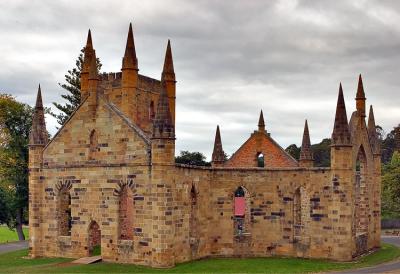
(16, 262)
(7, 235)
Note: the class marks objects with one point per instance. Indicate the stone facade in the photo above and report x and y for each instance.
(108, 178)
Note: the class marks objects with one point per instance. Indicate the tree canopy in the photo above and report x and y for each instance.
(391, 187)
(72, 88)
(192, 158)
(15, 124)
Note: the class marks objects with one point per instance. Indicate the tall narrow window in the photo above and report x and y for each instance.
(64, 218)
(260, 160)
(297, 212)
(126, 214)
(361, 193)
(93, 145)
(239, 211)
(193, 214)
(152, 114)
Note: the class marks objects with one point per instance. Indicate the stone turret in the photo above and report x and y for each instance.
(38, 139)
(130, 74)
(306, 155)
(341, 147)
(168, 76)
(218, 155)
(89, 54)
(373, 136)
(163, 183)
(360, 98)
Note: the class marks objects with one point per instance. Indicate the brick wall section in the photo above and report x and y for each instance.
(261, 142)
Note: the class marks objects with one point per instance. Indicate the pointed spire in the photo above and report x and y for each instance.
(341, 133)
(88, 53)
(371, 120)
(306, 153)
(218, 155)
(93, 73)
(130, 61)
(168, 73)
(38, 133)
(360, 98)
(261, 124)
(373, 136)
(360, 89)
(89, 44)
(39, 101)
(162, 125)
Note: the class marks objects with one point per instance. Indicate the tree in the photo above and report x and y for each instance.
(192, 158)
(388, 145)
(294, 151)
(15, 124)
(73, 87)
(322, 153)
(391, 187)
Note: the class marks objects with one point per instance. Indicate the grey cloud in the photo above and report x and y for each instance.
(285, 57)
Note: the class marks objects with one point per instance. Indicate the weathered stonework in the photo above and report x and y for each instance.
(109, 178)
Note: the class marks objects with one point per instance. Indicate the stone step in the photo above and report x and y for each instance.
(87, 260)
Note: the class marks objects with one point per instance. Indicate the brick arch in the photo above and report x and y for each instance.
(63, 184)
(122, 184)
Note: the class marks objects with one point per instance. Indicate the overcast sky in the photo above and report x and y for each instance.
(231, 58)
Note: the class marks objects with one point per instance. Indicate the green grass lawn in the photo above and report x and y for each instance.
(7, 235)
(14, 262)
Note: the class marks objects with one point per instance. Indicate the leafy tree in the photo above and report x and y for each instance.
(294, 151)
(391, 187)
(322, 153)
(73, 87)
(192, 158)
(388, 145)
(15, 124)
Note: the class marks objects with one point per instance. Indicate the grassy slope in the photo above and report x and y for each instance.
(13, 262)
(7, 235)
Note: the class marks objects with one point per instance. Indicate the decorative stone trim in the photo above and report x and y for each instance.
(63, 184)
(128, 182)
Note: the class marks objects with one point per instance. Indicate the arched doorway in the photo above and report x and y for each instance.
(361, 206)
(94, 239)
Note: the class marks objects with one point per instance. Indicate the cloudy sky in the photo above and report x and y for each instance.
(232, 59)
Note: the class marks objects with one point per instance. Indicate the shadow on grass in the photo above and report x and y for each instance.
(13, 262)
